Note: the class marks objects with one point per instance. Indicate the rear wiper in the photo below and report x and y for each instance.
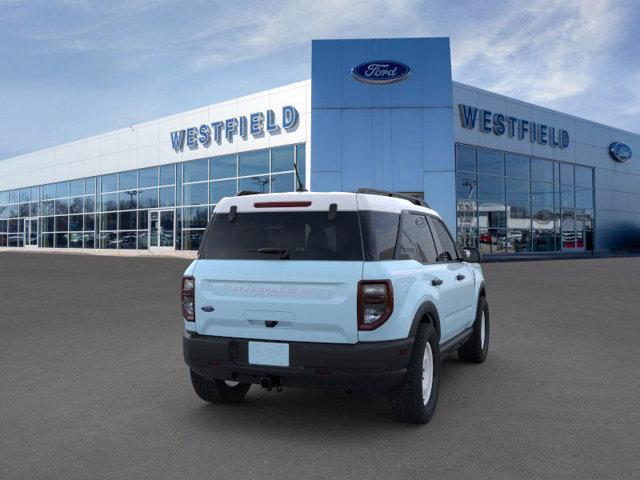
(284, 254)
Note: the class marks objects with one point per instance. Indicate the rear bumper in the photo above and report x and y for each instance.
(365, 367)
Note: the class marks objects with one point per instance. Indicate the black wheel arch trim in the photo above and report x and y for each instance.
(426, 309)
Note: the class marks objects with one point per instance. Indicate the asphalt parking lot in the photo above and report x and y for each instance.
(92, 385)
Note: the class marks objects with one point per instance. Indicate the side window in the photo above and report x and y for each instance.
(446, 247)
(405, 248)
(425, 246)
(379, 234)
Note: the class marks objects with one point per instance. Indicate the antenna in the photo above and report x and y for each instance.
(300, 185)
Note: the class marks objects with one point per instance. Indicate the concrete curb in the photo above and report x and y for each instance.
(533, 257)
(108, 253)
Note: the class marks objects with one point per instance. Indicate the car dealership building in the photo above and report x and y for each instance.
(506, 175)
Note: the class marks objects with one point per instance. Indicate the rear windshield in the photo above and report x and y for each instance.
(284, 235)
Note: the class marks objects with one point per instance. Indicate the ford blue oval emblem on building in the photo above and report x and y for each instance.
(380, 71)
(620, 151)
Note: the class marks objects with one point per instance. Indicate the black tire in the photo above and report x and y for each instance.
(407, 402)
(475, 350)
(217, 391)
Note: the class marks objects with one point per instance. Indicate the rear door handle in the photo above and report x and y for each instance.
(436, 281)
(460, 277)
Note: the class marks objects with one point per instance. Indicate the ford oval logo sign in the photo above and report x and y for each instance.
(620, 151)
(380, 71)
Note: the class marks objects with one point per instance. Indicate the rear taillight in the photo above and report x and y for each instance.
(375, 303)
(187, 298)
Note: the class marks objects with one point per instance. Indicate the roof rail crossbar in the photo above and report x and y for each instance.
(385, 193)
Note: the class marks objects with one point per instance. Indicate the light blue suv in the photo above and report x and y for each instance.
(358, 291)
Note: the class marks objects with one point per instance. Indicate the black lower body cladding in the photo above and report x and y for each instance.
(373, 367)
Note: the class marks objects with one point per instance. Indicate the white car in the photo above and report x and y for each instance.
(354, 291)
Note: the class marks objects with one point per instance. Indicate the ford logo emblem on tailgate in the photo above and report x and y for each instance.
(620, 151)
(207, 308)
(380, 71)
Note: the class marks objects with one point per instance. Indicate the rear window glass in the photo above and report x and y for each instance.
(284, 235)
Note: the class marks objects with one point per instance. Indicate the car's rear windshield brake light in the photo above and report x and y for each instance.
(281, 204)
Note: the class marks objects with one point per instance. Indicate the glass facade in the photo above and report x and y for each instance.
(510, 203)
(167, 206)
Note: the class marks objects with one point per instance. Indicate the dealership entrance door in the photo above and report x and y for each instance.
(573, 230)
(162, 234)
(30, 232)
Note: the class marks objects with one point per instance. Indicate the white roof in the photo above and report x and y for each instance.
(319, 201)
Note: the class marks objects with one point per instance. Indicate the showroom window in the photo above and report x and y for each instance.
(510, 203)
(167, 206)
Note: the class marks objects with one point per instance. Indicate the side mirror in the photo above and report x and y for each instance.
(471, 255)
(444, 257)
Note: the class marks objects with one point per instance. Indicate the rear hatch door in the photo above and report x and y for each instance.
(305, 301)
(281, 267)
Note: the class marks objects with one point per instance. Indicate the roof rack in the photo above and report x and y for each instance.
(385, 193)
(246, 192)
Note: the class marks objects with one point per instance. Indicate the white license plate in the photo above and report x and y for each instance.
(269, 353)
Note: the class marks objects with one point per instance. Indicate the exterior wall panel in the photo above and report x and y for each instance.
(385, 136)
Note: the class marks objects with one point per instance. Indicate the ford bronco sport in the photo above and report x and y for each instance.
(358, 291)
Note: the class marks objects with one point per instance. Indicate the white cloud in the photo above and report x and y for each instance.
(266, 31)
(544, 52)
(228, 34)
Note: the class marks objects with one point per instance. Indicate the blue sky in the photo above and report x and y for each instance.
(74, 68)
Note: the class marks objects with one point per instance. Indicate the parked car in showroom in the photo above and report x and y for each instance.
(358, 291)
